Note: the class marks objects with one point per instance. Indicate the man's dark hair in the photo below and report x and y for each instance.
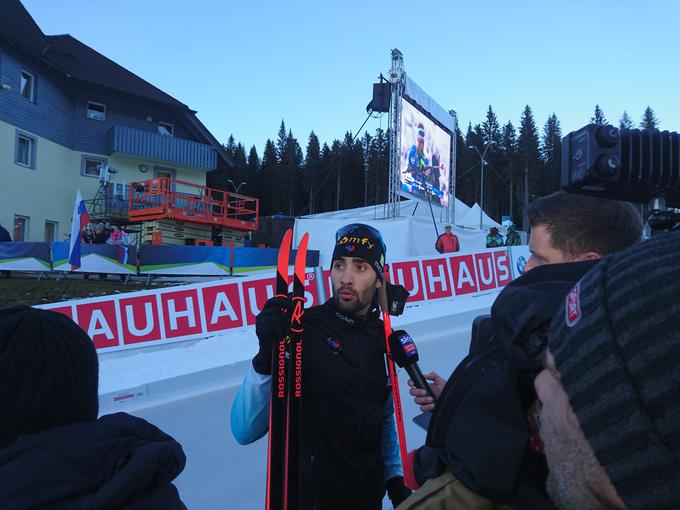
(578, 224)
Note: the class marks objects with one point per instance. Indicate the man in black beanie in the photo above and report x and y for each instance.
(54, 452)
(610, 389)
(350, 455)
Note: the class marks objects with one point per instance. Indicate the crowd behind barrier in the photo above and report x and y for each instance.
(185, 312)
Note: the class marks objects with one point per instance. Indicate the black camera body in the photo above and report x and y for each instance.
(629, 164)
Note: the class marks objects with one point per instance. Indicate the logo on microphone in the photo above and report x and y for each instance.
(408, 345)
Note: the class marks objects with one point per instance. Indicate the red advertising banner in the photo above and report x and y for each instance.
(184, 312)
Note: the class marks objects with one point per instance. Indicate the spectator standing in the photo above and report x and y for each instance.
(494, 239)
(100, 235)
(4, 235)
(54, 452)
(5, 238)
(118, 237)
(447, 242)
(512, 237)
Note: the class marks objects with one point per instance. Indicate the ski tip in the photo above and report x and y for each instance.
(301, 258)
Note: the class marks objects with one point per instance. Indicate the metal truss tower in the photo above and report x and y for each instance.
(397, 80)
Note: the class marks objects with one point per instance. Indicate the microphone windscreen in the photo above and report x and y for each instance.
(403, 348)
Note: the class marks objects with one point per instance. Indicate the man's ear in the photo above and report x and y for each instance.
(591, 255)
(378, 283)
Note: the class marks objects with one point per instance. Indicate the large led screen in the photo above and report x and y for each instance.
(425, 156)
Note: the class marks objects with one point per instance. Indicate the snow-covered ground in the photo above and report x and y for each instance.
(187, 389)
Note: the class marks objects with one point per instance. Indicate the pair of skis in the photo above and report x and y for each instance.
(283, 488)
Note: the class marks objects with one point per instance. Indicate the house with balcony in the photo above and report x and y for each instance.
(70, 118)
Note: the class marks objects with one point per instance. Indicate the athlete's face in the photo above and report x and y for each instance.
(421, 144)
(354, 284)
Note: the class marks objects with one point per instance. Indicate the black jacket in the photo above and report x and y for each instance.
(116, 462)
(344, 391)
(4, 235)
(479, 430)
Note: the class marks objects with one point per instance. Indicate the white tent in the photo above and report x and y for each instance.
(410, 236)
(471, 219)
(406, 208)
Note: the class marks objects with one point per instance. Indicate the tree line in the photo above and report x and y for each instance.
(522, 164)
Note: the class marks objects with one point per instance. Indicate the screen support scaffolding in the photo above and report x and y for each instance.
(397, 90)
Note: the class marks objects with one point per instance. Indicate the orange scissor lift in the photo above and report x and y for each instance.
(164, 203)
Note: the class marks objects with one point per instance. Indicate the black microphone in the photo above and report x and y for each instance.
(405, 355)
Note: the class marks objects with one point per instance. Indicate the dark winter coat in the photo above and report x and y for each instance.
(116, 462)
(4, 235)
(480, 429)
(345, 390)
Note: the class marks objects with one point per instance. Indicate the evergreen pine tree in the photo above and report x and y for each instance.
(270, 197)
(282, 143)
(292, 190)
(551, 153)
(625, 122)
(490, 127)
(528, 153)
(649, 120)
(312, 169)
(253, 174)
(508, 148)
(230, 147)
(598, 117)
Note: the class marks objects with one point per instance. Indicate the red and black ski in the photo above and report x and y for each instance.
(277, 402)
(292, 486)
(286, 388)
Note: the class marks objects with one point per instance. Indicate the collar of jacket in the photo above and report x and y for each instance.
(528, 303)
(352, 319)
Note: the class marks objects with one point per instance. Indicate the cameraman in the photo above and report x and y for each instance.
(483, 451)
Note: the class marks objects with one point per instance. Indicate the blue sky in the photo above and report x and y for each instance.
(246, 65)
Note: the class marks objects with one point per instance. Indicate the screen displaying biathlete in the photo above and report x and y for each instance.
(425, 156)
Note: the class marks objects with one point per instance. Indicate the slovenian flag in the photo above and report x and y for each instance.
(79, 220)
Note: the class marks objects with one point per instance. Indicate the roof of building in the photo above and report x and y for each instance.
(76, 60)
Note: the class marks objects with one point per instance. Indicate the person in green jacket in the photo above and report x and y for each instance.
(494, 239)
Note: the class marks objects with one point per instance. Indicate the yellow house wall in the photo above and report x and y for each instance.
(47, 193)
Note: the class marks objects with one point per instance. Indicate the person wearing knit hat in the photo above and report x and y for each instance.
(50, 436)
(610, 415)
(349, 454)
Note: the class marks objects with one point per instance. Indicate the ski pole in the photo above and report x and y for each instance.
(382, 293)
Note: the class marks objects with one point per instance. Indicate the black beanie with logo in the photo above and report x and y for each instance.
(48, 372)
(363, 242)
(616, 344)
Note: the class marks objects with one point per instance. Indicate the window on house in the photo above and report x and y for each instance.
(91, 166)
(96, 111)
(25, 150)
(27, 86)
(20, 229)
(165, 128)
(50, 231)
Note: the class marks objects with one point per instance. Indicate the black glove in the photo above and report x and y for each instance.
(396, 298)
(396, 490)
(271, 324)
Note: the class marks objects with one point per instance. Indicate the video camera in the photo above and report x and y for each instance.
(636, 165)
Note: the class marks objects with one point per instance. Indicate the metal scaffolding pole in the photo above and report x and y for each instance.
(451, 209)
(397, 90)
